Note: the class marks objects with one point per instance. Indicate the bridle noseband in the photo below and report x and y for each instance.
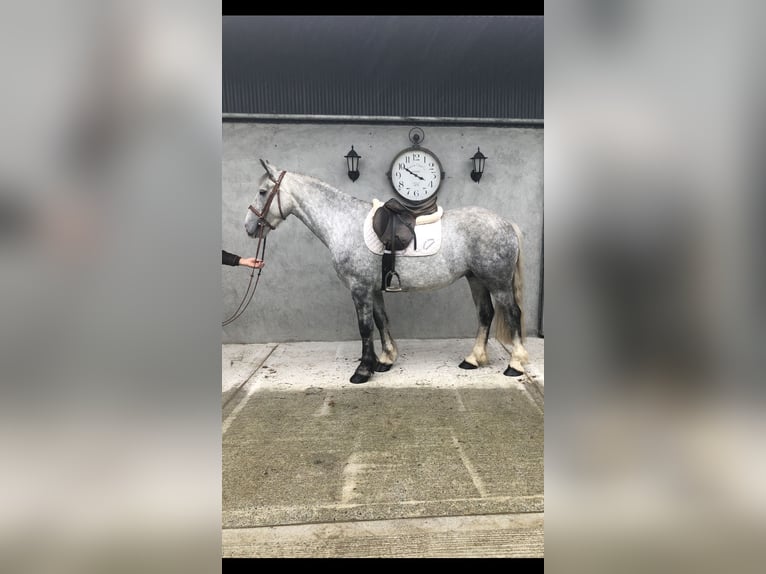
(273, 193)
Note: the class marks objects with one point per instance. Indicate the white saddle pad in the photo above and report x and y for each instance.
(428, 232)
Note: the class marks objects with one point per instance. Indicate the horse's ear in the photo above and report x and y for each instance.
(270, 169)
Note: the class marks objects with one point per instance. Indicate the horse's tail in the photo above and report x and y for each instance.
(503, 331)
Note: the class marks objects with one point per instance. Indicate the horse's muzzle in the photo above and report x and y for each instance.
(258, 228)
(251, 227)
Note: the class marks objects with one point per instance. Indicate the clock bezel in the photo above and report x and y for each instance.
(421, 149)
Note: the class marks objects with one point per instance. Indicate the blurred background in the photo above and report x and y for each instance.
(110, 295)
(655, 456)
(110, 310)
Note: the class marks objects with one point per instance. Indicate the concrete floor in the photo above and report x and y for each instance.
(424, 460)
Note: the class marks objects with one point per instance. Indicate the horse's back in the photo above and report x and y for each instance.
(480, 226)
(485, 241)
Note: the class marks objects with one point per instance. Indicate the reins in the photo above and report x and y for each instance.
(260, 253)
(260, 250)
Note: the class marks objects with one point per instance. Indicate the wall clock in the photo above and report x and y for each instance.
(416, 172)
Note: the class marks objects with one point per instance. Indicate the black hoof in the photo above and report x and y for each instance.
(467, 365)
(511, 372)
(358, 379)
(383, 367)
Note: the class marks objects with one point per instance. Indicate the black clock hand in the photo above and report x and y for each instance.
(413, 173)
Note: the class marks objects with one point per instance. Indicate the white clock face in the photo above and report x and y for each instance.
(416, 174)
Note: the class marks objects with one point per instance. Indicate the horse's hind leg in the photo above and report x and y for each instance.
(389, 354)
(363, 301)
(509, 331)
(485, 312)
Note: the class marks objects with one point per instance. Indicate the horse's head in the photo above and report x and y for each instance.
(267, 209)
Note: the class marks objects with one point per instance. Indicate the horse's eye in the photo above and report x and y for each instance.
(262, 192)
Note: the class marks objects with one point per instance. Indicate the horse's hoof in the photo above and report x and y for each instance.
(383, 367)
(511, 372)
(467, 365)
(358, 379)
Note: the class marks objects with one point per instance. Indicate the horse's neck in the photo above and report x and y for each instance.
(326, 211)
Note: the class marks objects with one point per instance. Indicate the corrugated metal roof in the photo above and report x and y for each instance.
(435, 66)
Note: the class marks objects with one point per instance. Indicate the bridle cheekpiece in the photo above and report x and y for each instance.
(266, 206)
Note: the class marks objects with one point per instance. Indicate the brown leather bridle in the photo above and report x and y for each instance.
(260, 250)
(266, 206)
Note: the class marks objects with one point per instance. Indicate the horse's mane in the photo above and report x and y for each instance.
(326, 187)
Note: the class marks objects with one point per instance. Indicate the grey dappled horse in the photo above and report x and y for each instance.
(476, 244)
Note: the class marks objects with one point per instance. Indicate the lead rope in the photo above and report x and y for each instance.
(259, 254)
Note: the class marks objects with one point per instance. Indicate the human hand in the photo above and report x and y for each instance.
(251, 262)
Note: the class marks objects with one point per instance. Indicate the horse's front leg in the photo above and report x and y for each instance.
(363, 300)
(389, 354)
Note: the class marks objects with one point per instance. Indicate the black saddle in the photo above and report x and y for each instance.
(394, 225)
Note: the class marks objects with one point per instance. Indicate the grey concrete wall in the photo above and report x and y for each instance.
(300, 298)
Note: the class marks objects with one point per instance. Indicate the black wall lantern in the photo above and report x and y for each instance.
(352, 158)
(478, 165)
